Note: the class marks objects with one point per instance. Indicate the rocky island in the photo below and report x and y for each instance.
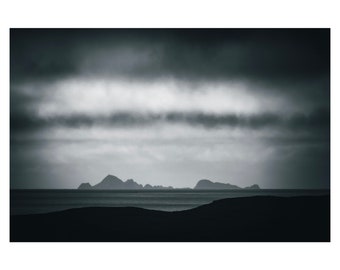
(113, 182)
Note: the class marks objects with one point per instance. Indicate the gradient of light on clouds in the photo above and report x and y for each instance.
(105, 97)
(169, 109)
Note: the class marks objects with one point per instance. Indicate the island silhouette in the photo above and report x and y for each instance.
(250, 219)
(113, 182)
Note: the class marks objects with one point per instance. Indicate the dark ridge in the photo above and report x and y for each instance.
(250, 219)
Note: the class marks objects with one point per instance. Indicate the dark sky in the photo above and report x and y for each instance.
(170, 106)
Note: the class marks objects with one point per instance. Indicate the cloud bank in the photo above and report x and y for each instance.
(170, 106)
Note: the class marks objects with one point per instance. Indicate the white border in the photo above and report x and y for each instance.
(175, 13)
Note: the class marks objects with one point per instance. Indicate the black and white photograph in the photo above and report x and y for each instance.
(170, 135)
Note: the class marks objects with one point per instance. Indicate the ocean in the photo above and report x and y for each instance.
(45, 201)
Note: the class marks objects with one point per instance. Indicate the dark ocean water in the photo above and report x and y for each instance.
(44, 201)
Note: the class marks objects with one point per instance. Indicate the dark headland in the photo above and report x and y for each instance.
(259, 219)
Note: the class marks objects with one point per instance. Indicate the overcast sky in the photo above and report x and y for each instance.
(170, 107)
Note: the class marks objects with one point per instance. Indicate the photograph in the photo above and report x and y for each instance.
(169, 134)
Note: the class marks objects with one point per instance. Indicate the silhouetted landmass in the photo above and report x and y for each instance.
(259, 218)
(113, 182)
(85, 186)
(207, 184)
(147, 186)
(253, 187)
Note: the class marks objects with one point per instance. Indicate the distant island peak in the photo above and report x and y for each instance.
(112, 182)
(207, 184)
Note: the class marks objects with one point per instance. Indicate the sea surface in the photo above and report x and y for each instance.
(48, 200)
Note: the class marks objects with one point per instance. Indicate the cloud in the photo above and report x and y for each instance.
(207, 70)
(170, 106)
(104, 97)
(317, 121)
(190, 54)
(178, 161)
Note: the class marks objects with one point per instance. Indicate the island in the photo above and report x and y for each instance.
(111, 182)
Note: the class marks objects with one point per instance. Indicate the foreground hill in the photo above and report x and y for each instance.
(260, 218)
